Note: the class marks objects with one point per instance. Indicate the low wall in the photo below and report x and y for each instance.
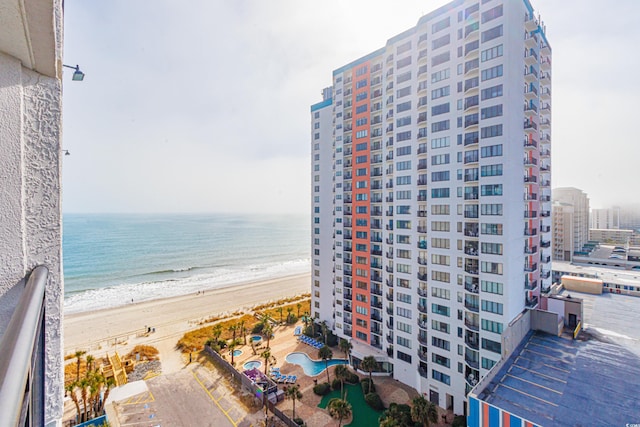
(545, 321)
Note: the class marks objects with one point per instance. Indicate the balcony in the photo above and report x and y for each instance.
(389, 338)
(471, 287)
(471, 269)
(423, 324)
(531, 302)
(471, 362)
(472, 305)
(22, 376)
(422, 276)
(545, 244)
(422, 261)
(422, 244)
(471, 250)
(389, 283)
(423, 355)
(530, 196)
(471, 232)
(530, 285)
(389, 296)
(423, 339)
(530, 268)
(530, 214)
(422, 308)
(471, 342)
(530, 250)
(545, 274)
(423, 292)
(471, 325)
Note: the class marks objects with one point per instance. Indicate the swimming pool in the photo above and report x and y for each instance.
(237, 353)
(253, 364)
(256, 338)
(311, 367)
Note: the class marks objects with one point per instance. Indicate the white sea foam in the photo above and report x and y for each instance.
(119, 295)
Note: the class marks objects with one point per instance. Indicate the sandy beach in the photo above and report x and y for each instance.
(121, 328)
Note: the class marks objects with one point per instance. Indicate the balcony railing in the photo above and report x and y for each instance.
(22, 362)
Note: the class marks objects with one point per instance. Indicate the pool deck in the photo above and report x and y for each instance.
(284, 343)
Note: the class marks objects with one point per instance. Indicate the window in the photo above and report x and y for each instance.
(403, 47)
(361, 172)
(440, 326)
(490, 345)
(491, 326)
(440, 75)
(403, 62)
(403, 312)
(491, 170)
(487, 363)
(491, 287)
(403, 356)
(491, 248)
(491, 307)
(403, 195)
(362, 108)
(491, 267)
(439, 193)
(440, 176)
(403, 107)
(440, 126)
(494, 52)
(440, 259)
(490, 132)
(362, 134)
(440, 159)
(403, 92)
(361, 83)
(440, 293)
(441, 41)
(440, 109)
(491, 14)
(361, 159)
(437, 242)
(440, 276)
(361, 310)
(403, 180)
(440, 92)
(403, 136)
(471, 65)
(403, 77)
(489, 112)
(440, 343)
(402, 151)
(361, 96)
(440, 360)
(440, 142)
(405, 165)
(492, 73)
(404, 342)
(491, 229)
(491, 92)
(491, 33)
(491, 209)
(440, 25)
(492, 150)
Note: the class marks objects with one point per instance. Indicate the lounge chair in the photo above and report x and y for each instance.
(292, 379)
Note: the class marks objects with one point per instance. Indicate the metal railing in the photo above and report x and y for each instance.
(22, 361)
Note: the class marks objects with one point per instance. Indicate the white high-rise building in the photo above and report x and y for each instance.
(431, 194)
(575, 230)
(608, 218)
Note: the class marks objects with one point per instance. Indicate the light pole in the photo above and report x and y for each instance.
(78, 75)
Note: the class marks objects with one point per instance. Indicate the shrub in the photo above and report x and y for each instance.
(321, 389)
(335, 384)
(257, 328)
(373, 400)
(365, 386)
(353, 378)
(292, 318)
(332, 339)
(459, 421)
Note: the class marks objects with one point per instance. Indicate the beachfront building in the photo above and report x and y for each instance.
(31, 369)
(607, 218)
(438, 197)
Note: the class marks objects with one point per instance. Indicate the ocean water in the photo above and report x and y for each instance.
(110, 259)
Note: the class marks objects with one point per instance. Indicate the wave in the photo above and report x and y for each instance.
(118, 295)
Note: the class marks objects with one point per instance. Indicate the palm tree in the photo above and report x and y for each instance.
(339, 409)
(233, 329)
(325, 330)
(346, 347)
(299, 306)
(280, 310)
(341, 373)
(306, 319)
(293, 392)
(325, 354)
(423, 411)
(289, 311)
(266, 355)
(267, 331)
(84, 395)
(217, 331)
(89, 361)
(389, 422)
(71, 390)
(232, 347)
(78, 355)
(243, 332)
(109, 383)
(369, 364)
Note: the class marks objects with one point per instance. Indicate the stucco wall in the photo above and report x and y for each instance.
(30, 210)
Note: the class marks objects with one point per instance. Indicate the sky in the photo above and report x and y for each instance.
(203, 106)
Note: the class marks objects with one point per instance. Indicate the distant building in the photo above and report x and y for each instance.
(611, 236)
(605, 218)
(563, 230)
(573, 223)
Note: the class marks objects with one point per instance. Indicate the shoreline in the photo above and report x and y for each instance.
(104, 330)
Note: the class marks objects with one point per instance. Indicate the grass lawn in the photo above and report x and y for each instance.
(363, 414)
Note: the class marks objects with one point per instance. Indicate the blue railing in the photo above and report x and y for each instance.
(22, 361)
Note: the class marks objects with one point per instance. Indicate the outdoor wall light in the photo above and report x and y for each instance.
(77, 75)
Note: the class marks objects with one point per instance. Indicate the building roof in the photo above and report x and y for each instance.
(608, 275)
(557, 381)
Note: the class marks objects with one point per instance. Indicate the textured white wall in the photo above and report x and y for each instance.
(30, 210)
